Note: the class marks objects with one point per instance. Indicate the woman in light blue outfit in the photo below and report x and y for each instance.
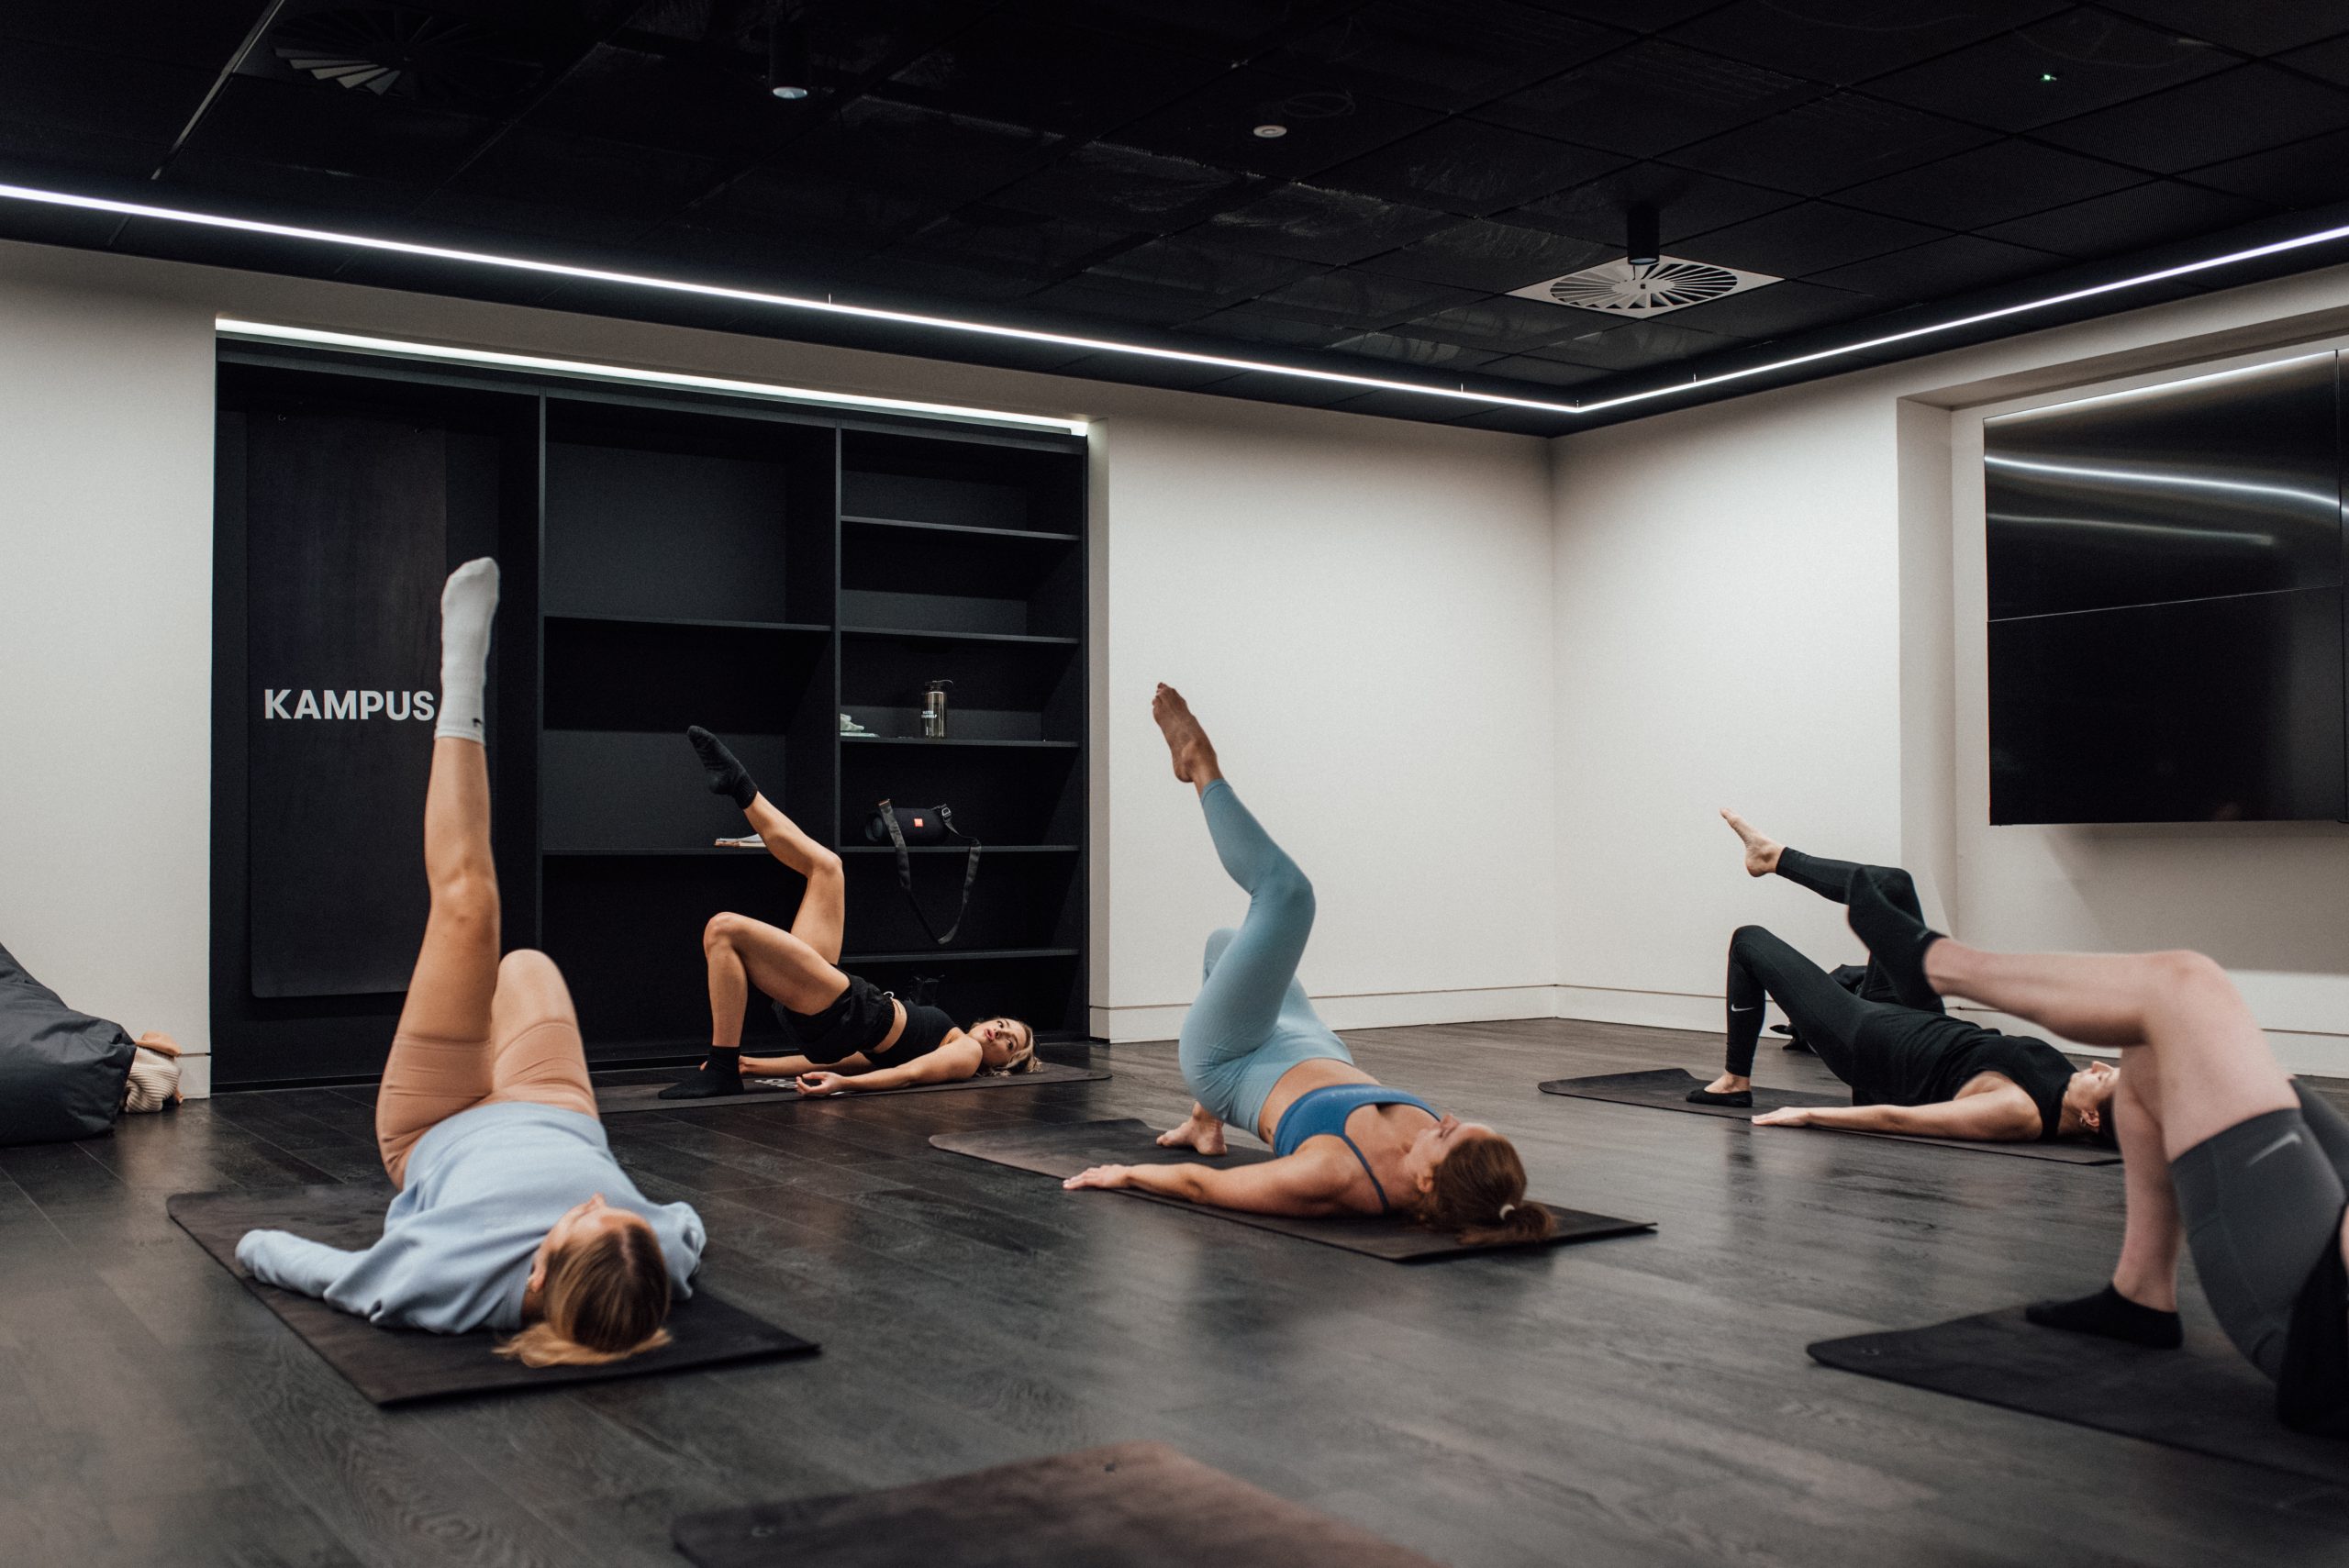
(1255, 1053)
(512, 1214)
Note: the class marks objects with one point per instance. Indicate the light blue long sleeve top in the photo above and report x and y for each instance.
(484, 1188)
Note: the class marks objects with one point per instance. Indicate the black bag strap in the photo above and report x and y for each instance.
(906, 869)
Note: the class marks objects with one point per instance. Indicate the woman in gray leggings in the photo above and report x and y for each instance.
(2226, 1154)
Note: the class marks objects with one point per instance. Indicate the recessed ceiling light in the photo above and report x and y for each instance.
(652, 283)
(1271, 132)
(2048, 76)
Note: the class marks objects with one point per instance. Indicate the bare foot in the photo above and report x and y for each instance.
(1761, 853)
(1202, 1133)
(1728, 1084)
(1194, 757)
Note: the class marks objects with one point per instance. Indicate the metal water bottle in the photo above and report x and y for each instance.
(933, 711)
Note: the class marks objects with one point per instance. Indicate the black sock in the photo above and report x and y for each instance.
(1896, 939)
(722, 1074)
(2113, 1316)
(727, 776)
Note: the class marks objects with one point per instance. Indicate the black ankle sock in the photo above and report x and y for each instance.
(727, 776)
(1896, 939)
(2112, 1315)
(722, 1074)
(1702, 1096)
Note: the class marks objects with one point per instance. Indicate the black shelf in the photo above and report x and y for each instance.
(691, 622)
(891, 850)
(912, 634)
(955, 954)
(1025, 536)
(930, 743)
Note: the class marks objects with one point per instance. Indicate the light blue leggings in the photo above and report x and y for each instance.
(1251, 1022)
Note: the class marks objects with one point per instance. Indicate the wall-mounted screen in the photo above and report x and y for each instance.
(2165, 590)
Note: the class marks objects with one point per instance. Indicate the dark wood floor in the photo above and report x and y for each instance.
(1635, 1401)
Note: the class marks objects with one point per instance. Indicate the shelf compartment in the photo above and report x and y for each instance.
(975, 484)
(626, 933)
(1005, 688)
(605, 790)
(1020, 795)
(1044, 987)
(1020, 903)
(961, 579)
(617, 673)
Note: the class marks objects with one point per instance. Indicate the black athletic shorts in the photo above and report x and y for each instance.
(2262, 1204)
(858, 1019)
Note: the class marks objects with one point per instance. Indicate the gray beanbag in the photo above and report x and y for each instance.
(61, 1072)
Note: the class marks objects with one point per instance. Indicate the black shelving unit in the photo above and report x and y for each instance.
(762, 570)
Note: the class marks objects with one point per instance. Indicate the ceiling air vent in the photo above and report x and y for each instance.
(397, 51)
(1636, 292)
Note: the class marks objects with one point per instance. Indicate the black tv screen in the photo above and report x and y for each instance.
(2165, 590)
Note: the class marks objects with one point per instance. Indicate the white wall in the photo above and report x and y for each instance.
(1777, 603)
(1359, 607)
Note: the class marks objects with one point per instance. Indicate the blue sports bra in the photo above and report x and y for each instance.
(1324, 1110)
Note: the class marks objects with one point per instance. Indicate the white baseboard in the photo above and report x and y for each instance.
(1362, 1010)
(196, 1075)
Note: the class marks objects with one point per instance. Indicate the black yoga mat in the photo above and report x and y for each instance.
(400, 1366)
(1666, 1089)
(1062, 1150)
(618, 1099)
(2204, 1399)
(1130, 1505)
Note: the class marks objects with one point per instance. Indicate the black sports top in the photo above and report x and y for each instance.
(926, 1029)
(1908, 1058)
(858, 1020)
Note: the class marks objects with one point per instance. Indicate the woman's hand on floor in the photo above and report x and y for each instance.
(1100, 1176)
(816, 1086)
(1790, 1115)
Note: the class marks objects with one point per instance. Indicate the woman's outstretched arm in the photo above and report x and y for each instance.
(957, 1058)
(1310, 1183)
(1998, 1116)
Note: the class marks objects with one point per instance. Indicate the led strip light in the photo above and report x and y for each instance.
(407, 349)
(1105, 346)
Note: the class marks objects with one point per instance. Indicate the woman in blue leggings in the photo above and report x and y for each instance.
(1254, 1053)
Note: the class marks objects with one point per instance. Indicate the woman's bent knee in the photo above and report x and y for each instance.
(721, 930)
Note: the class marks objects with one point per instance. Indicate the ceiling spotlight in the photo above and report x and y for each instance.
(791, 73)
(1642, 248)
(1271, 132)
(2048, 76)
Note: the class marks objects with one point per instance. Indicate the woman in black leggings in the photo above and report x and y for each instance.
(2224, 1153)
(1912, 1068)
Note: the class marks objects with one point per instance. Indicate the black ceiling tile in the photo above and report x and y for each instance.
(43, 151)
(774, 203)
(195, 37)
(1779, 308)
(1649, 98)
(2329, 59)
(1201, 270)
(1471, 168)
(1397, 349)
(1349, 296)
(1317, 225)
(1634, 345)
(908, 147)
(2142, 215)
(1653, 17)
(1496, 256)
(1939, 267)
(1535, 368)
(1842, 41)
(2051, 69)
(788, 263)
(1062, 78)
(1795, 241)
(1989, 185)
(1325, 125)
(1687, 202)
(1230, 30)
(2220, 118)
(1516, 421)
(1504, 326)
(1395, 403)
(2308, 173)
(924, 283)
(1831, 142)
(1263, 387)
(1138, 371)
(1252, 323)
(570, 186)
(688, 104)
(477, 56)
(1445, 54)
(292, 194)
(1086, 295)
(68, 89)
(1022, 244)
(1126, 186)
(336, 131)
(2254, 27)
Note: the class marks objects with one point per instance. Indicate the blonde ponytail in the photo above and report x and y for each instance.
(606, 1299)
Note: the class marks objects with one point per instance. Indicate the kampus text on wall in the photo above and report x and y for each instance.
(288, 701)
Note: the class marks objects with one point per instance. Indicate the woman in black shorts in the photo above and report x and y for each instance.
(1912, 1068)
(853, 1036)
(2225, 1153)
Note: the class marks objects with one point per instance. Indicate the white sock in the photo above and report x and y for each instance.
(468, 605)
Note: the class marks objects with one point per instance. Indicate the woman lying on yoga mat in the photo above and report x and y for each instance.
(853, 1036)
(2222, 1152)
(1912, 1068)
(511, 1213)
(1254, 1053)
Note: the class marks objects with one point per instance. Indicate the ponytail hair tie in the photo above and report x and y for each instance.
(1507, 1209)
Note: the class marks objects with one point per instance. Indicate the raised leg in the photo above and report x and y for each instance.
(536, 1053)
(1762, 964)
(823, 908)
